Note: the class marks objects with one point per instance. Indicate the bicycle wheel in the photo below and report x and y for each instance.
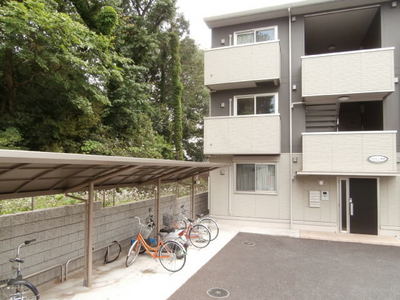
(199, 236)
(181, 224)
(20, 290)
(172, 256)
(211, 225)
(132, 253)
(112, 253)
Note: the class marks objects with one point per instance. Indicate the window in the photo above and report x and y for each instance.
(256, 35)
(245, 38)
(255, 178)
(256, 104)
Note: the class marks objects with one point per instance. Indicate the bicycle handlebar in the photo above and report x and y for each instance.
(25, 243)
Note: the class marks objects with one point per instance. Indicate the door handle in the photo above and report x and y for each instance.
(351, 209)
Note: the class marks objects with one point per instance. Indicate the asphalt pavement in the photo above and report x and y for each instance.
(254, 266)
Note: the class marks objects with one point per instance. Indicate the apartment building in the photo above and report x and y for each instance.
(305, 111)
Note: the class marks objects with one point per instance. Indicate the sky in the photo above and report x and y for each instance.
(196, 10)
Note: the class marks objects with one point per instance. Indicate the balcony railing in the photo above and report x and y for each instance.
(242, 66)
(361, 75)
(350, 151)
(260, 134)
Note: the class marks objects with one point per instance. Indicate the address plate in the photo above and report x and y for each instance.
(378, 159)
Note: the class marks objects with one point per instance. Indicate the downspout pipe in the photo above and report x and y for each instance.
(290, 122)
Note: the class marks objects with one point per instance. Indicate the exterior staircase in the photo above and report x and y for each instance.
(322, 117)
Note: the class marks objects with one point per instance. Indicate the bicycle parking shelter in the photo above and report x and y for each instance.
(31, 173)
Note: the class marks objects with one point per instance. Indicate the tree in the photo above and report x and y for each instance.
(101, 77)
(195, 98)
(54, 72)
(177, 88)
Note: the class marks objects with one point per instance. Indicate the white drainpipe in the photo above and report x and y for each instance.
(290, 121)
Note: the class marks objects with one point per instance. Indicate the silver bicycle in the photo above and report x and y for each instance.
(208, 222)
(17, 288)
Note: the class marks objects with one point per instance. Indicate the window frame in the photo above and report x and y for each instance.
(254, 30)
(254, 96)
(256, 192)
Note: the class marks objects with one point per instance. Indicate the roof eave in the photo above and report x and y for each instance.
(272, 12)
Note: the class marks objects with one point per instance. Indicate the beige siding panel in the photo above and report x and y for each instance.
(219, 189)
(389, 191)
(302, 212)
(354, 72)
(349, 152)
(255, 62)
(242, 135)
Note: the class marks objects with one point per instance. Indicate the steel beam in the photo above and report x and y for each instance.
(106, 175)
(125, 177)
(40, 175)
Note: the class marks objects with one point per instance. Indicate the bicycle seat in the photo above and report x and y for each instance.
(200, 215)
(18, 260)
(167, 230)
(190, 220)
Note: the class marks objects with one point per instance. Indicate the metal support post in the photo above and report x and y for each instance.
(88, 237)
(192, 197)
(157, 207)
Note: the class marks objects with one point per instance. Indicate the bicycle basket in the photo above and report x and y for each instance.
(145, 231)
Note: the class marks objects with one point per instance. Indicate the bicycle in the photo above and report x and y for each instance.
(17, 288)
(171, 254)
(208, 222)
(198, 235)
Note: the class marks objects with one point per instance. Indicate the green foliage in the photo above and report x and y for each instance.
(100, 77)
(55, 71)
(9, 138)
(106, 19)
(195, 98)
(177, 88)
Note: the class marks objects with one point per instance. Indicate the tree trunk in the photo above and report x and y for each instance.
(9, 82)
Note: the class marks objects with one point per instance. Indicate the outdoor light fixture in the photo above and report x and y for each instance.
(331, 48)
(343, 98)
(394, 4)
(320, 182)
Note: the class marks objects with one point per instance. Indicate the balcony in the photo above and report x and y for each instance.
(260, 134)
(364, 152)
(353, 75)
(242, 66)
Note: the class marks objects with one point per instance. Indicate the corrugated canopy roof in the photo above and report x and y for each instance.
(28, 173)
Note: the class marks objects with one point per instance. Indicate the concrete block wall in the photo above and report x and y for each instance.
(60, 233)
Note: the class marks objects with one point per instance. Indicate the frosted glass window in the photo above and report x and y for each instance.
(256, 36)
(245, 38)
(265, 35)
(265, 105)
(245, 106)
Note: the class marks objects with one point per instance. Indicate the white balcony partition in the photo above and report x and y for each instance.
(350, 151)
(259, 134)
(242, 65)
(352, 73)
